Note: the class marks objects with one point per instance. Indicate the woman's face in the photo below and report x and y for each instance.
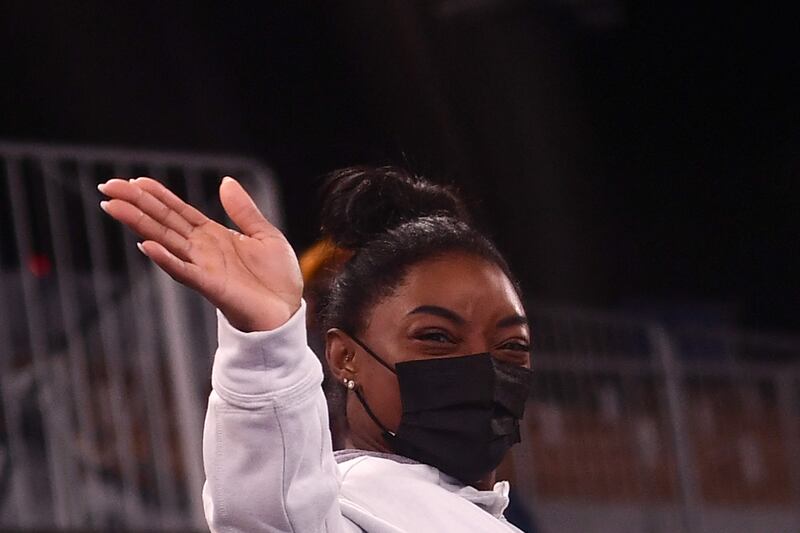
(454, 304)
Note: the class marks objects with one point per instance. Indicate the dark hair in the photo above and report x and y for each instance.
(391, 220)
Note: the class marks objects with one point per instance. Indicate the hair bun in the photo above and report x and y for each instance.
(362, 202)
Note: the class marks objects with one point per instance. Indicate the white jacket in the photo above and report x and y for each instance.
(270, 467)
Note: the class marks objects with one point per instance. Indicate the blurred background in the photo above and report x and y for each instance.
(637, 162)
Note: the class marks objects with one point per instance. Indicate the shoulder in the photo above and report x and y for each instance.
(409, 496)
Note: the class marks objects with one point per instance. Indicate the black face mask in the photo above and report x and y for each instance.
(460, 414)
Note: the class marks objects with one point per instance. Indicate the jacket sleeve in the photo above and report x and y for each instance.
(266, 444)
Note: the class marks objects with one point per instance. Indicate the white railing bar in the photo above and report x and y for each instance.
(788, 388)
(122, 156)
(610, 319)
(109, 327)
(189, 407)
(194, 196)
(36, 338)
(626, 365)
(149, 375)
(17, 451)
(676, 405)
(76, 346)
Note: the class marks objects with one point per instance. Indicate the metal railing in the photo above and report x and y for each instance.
(635, 426)
(104, 361)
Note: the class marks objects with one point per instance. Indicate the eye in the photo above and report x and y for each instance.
(436, 336)
(516, 345)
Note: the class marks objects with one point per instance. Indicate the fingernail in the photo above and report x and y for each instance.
(227, 178)
(101, 186)
(141, 248)
(104, 205)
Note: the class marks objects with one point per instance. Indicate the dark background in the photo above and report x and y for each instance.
(631, 155)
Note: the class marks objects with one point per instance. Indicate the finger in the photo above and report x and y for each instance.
(146, 226)
(180, 270)
(170, 199)
(149, 204)
(242, 210)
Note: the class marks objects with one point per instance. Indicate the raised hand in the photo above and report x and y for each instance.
(252, 277)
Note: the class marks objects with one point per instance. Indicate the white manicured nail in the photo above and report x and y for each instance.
(104, 205)
(141, 248)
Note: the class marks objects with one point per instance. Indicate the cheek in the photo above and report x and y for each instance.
(383, 394)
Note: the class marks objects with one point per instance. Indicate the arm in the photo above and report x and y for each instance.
(266, 445)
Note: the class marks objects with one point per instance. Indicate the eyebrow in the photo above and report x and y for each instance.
(512, 320)
(443, 312)
(440, 312)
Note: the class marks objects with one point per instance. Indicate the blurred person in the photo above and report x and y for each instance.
(424, 330)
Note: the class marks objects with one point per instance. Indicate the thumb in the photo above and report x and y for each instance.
(241, 208)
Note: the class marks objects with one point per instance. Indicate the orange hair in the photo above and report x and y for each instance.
(322, 259)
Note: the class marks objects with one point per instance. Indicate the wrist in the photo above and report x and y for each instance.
(261, 319)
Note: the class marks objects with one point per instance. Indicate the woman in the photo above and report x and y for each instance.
(426, 332)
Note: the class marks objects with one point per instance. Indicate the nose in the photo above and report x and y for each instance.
(478, 344)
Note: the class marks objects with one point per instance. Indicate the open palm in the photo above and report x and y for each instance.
(253, 277)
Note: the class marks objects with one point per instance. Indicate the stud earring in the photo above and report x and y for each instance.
(349, 383)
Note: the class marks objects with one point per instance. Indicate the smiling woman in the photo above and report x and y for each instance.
(470, 334)
(426, 333)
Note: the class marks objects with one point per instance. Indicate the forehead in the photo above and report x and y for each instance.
(471, 286)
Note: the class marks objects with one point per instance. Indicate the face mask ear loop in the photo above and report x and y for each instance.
(370, 413)
(357, 390)
(373, 354)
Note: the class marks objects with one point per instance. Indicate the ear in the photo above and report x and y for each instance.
(340, 352)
